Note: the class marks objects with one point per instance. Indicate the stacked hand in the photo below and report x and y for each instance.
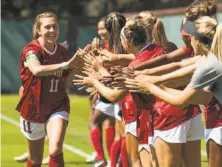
(141, 83)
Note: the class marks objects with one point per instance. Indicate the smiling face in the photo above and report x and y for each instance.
(49, 30)
(102, 32)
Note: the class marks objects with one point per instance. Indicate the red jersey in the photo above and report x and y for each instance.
(140, 106)
(138, 101)
(213, 114)
(167, 116)
(43, 95)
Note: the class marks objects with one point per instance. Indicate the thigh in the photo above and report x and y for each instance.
(214, 152)
(132, 147)
(191, 153)
(56, 129)
(98, 118)
(35, 150)
(168, 154)
(146, 158)
(109, 122)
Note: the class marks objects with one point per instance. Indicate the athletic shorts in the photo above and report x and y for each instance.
(35, 131)
(214, 134)
(117, 111)
(190, 130)
(106, 108)
(131, 128)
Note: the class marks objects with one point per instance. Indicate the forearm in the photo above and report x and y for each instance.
(169, 96)
(174, 56)
(103, 72)
(123, 59)
(44, 70)
(112, 95)
(178, 74)
(162, 69)
(178, 83)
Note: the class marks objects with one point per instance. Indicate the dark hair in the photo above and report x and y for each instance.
(114, 22)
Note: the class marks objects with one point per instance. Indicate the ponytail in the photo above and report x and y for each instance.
(158, 33)
(217, 43)
(114, 22)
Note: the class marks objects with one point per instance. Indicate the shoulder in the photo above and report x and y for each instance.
(155, 49)
(32, 48)
(171, 46)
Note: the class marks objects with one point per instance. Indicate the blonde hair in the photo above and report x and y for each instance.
(135, 32)
(154, 28)
(208, 27)
(37, 24)
(201, 8)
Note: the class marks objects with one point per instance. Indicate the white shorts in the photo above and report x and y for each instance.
(215, 134)
(131, 128)
(35, 131)
(116, 111)
(190, 130)
(147, 146)
(106, 108)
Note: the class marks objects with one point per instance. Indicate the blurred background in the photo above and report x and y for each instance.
(78, 23)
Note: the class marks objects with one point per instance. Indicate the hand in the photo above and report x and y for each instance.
(76, 61)
(93, 62)
(135, 85)
(95, 43)
(84, 81)
(108, 56)
(128, 72)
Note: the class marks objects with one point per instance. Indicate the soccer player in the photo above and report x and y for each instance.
(44, 105)
(205, 35)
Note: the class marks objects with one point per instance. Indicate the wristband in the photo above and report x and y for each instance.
(64, 65)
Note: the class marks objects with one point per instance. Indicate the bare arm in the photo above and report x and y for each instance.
(181, 99)
(164, 69)
(116, 59)
(174, 56)
(43, 70)
(113, 95)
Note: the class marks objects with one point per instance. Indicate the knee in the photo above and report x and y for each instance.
(55, 148)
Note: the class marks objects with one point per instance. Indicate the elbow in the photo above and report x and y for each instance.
(179, 104)
(113, 99)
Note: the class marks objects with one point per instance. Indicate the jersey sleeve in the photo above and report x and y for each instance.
(204, 77)
(32, 50)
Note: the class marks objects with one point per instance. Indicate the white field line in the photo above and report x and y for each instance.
(68, 147)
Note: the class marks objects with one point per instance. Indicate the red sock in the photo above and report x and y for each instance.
(96, 139)
(115, 149)
(56, 160)
(110, 135)
(30, 164)
(123, 153)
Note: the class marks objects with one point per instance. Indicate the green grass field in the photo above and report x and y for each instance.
(13, 143)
